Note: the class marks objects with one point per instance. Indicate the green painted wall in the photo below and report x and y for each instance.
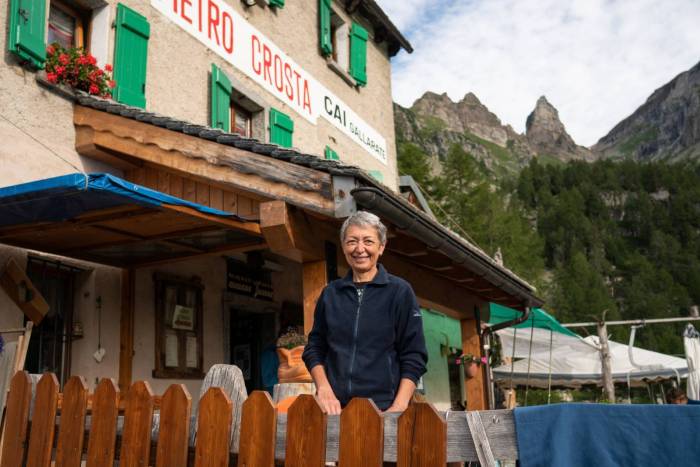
(441, 334)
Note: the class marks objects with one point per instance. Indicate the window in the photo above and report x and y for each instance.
(281, 128)
(66, 26)
(232, 110)
(130, 56)
(178, 347)
(344, 46)
(32, 26)
(339, 40)
(242, 121)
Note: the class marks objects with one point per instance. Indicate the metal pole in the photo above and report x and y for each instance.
(638, 322)
(529, 360)
(549, 378)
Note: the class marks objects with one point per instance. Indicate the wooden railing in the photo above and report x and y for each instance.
(101, 432)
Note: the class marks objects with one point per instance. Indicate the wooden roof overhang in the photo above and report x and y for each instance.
(298, 192)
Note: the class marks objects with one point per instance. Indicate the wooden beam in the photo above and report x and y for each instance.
(252, 228)
(289, 233)
(126, 329)
(313, 281)
(166, 236)
(130, 212)
(474, 387)
(196, 158)
(240, 247)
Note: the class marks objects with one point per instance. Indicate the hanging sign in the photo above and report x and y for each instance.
(219, 27)
(244, 280)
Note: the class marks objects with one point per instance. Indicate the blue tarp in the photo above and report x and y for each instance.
(65, 197)
(607, 435)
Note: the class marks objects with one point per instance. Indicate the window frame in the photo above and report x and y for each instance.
(161, 283)
(81, 32)
(237, 109)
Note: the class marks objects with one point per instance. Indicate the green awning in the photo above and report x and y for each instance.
(538, 318)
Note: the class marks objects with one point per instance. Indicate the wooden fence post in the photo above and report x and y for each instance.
(421, 437)
(174, 428)
(361, 435)
(213, 429)
(43, 423)
(306, 433)
(16, 418)
(258, 431)
(103, 426)
(71, 432)
(136, 437)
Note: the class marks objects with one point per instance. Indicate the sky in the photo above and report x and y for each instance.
(596, 61)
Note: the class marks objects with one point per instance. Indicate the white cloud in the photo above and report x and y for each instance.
(595, 60)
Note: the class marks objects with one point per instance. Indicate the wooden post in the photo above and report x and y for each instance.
(474, 387)
(313, 281)
(608, 385)
(126, 330)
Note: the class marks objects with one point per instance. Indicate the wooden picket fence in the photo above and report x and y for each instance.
(97, 429)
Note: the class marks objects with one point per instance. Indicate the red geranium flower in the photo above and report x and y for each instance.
(60, 70)
(51, 77)
(64, 59)
(111, 83)
(108, 67)
(50, 50)
(94, 89)
(92, 60)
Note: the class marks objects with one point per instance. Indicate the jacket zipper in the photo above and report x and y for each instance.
(360, 293)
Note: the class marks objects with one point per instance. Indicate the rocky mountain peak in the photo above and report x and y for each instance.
(666, 127)
(547, 134)
(471, 99)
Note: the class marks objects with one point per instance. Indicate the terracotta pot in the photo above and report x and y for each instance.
(471, 369)
(292, 368)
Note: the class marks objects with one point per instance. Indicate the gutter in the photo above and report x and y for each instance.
(438, 238)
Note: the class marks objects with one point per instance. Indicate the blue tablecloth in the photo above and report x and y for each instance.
(604, 435)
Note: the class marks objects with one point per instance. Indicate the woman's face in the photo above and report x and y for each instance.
(362, 248)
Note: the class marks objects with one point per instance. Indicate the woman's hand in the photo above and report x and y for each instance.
(326, 398)
(324, 393)
(403, 396)
(396, 407)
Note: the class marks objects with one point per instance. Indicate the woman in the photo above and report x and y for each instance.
(367, 339)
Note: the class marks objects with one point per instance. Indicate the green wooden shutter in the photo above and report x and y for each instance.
(276, 3)
(358, 54)
(331, 154)
(220, 99)
(27, 31)
(324, 15)
(281, 128)
(130, 56)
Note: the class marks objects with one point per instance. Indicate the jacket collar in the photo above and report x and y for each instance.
(381, 278)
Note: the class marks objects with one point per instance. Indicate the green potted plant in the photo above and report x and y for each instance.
(290, 346)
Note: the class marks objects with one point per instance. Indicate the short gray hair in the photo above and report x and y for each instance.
(364, 219)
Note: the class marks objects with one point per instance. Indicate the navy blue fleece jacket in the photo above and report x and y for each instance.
(368, 343)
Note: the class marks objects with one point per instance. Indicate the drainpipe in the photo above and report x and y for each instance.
(485, 337)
